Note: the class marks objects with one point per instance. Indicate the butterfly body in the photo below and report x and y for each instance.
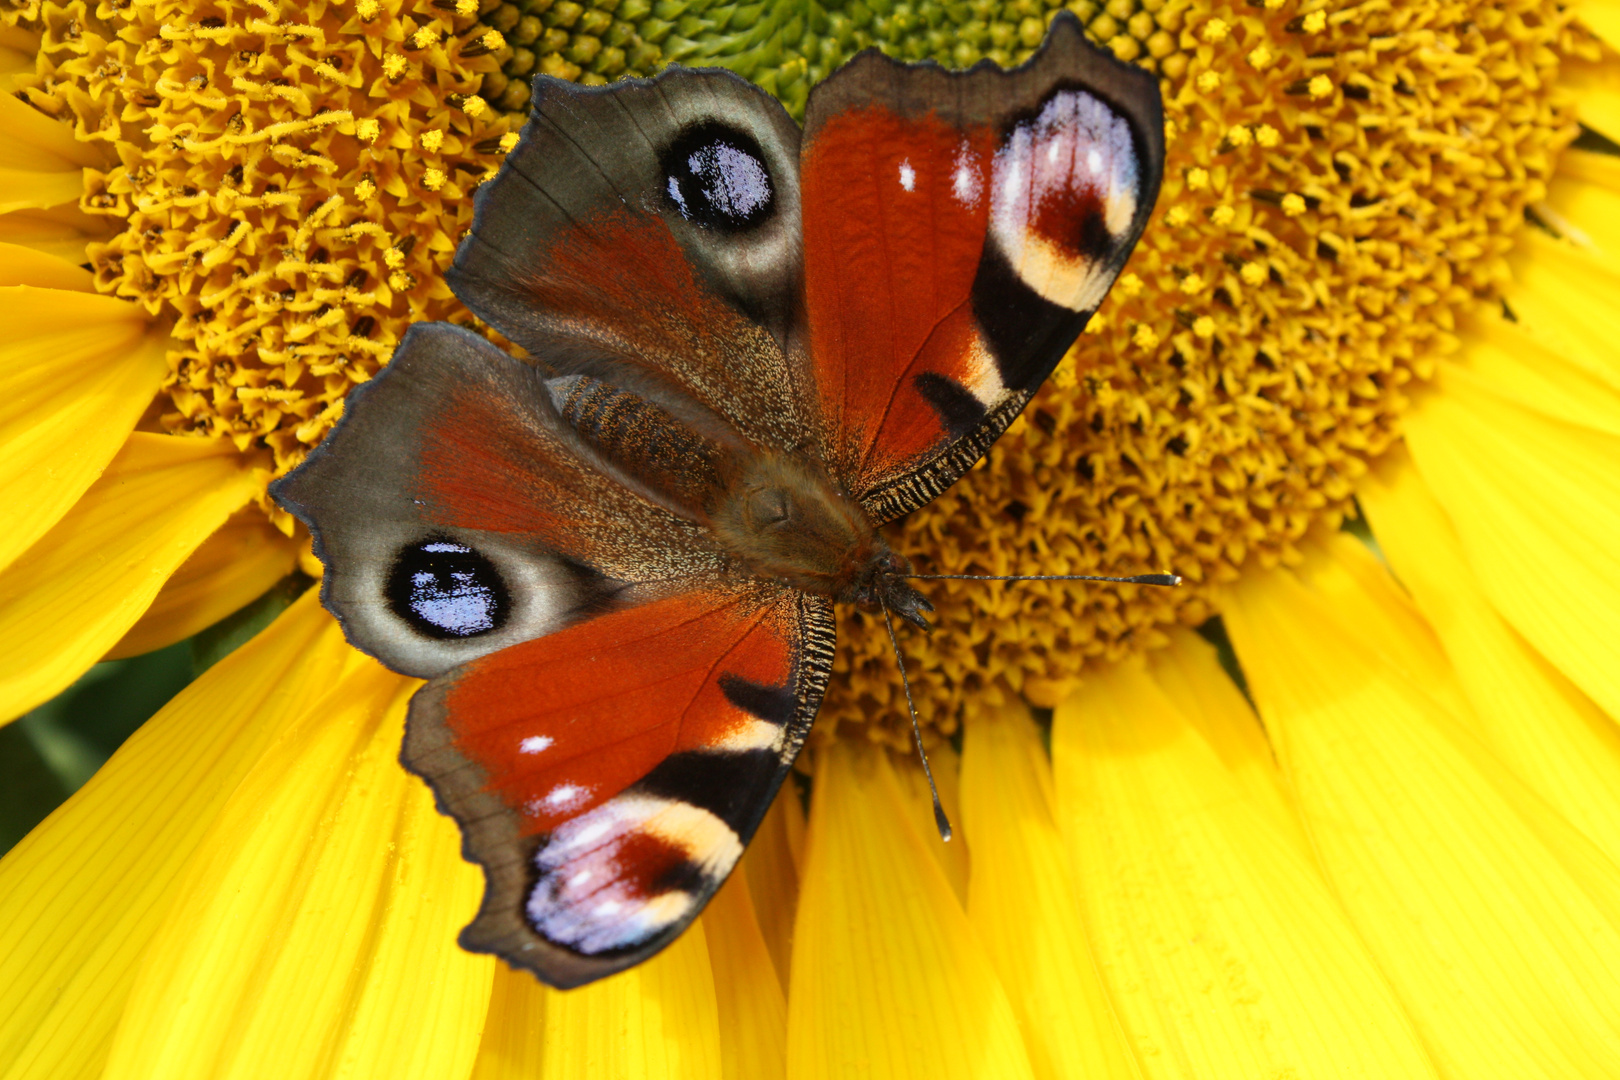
(750, 347)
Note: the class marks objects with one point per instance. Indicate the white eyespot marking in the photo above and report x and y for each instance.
(534, 744)
(607, 908)
(563, 796)
(673, 186)
(908, 175)
(580, 878)
(965, 182)
(1064, 196)
(444, 548)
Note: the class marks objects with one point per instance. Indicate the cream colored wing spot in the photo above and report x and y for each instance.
(1064, 192)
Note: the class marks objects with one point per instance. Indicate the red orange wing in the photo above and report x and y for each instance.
(608, 776)
(959, 230)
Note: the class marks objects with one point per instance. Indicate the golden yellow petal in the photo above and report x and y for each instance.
(76, 372)
(1023, 904)
(1554, 737)
(72, 595)
(889, 979)
(1596, 90)
(1496, 922)
(773, 876)
(22, 265)
(82, 896)
(62, 231)
(513, 1046)
(658, 1021)
(41, 163)
(315, 931)
(1584, 196)
(1602, 17)
(954, 858)
(232, 568)
(751, 1009)
(1506, 360)
(1223, 950)
(1190, 675)
(1564, 297)
(1536, 506)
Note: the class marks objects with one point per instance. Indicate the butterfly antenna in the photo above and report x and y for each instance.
(1138, 579)
(940, 820)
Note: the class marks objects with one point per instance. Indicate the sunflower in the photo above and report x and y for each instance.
(1359, 387)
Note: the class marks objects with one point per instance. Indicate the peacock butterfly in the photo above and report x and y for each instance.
(750, 347)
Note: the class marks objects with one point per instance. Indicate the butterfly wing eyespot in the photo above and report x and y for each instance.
(960, 228)
(716, 176)
(607, 777)
(446, 589)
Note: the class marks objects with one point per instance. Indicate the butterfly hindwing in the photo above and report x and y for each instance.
(608, 776)
(960, 228)
(648, 234)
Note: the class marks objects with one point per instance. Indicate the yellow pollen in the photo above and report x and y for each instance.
(1191, 284)
(1315, 22)
(394, 65)
(1293, 205)
(1197, 179)
(1178, 215)
(1321, 86)
(466, 8)
(1129, 285)
(431, 140)
(424, 38)
(433, 179)
(493, 40)
(367, 129)
(1239, 136)
(1259, 58)
(508, 141)
(1267, 136)
(365, 190)
(1252, 274)
(400, 282)
(1215, 31)
(1223, 215)
(474, 106)
(367, 9)
(393, 258)
(1209, 82)
(1143, 337)
(1204, 327)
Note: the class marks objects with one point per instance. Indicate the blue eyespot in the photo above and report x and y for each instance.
(715, 176)
(447, 590)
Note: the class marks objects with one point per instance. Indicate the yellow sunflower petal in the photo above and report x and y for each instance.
(76, 372)
(1520, 366)
(1602, 17)
(1536, 505)
(954, 858)
(22, 265)
(1565, 297)
(41, 163)
(1190, 675)
(773, 876)
(1023, 903)
(1551, 733)
(889, 979)
(232, 568)
(1585, 196)
(82, 895)
(1493, 918)
(658, 1021)
(1595, 89)
(315, 931)
(85, 583)
(1209, 925)
(752, 1011)
(513, 1046)
(62, 231)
